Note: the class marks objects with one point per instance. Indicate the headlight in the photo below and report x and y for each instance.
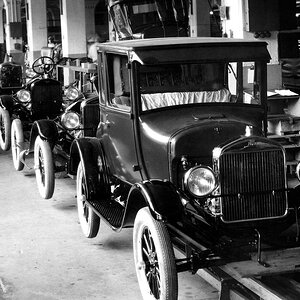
(24, 95)
(71, 93)
(70, 120)
(200, 181)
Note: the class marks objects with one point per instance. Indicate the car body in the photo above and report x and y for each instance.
(50, 139)
(181, 155)
(11, 80)
(41, 97)
(149, 18)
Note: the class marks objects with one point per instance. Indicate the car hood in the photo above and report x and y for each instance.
(193, 134)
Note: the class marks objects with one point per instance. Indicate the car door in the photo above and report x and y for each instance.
(117, 131)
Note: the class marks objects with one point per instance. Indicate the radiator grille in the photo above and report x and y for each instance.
(252, 184)
(90, 118)
(10, 76)
(46, 99)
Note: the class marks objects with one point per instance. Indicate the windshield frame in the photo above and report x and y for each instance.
(259, 75)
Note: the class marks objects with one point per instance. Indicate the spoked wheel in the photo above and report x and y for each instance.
(17, 140)
(4, 129)
(89, 221)
(154, 258)
(44, 169)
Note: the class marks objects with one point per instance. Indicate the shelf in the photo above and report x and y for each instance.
(284, 136)
(292, 163)
(291, 146)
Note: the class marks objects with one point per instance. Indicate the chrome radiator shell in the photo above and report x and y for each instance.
(252, 180)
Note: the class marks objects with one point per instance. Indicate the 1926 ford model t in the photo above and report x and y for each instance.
(45, 123)
(50, 139)
(182, 156)
(149, 18)
(11, 80)
(39, 98)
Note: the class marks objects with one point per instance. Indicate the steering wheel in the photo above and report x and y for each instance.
(43, 65)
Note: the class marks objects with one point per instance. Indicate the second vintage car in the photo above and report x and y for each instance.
(181, 155)
(50, 139)
(11, 80)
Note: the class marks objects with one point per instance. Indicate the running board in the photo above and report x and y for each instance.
(112, 212)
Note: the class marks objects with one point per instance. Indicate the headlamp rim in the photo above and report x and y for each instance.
(187, 176)
(67, 92)
(22, 92)
(63, 118)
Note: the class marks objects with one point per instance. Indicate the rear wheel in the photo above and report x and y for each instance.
(4, 129)
(89, 221)
(44, 168)
(17, 140)
(154, 258)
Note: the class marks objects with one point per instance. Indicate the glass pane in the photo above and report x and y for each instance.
(180, 84)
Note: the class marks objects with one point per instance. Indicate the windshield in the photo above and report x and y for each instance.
(182, 84)
(150, 18)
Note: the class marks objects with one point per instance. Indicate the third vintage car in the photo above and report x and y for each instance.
(181, 155)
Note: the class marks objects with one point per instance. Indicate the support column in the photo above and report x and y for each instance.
(90, 6)
(73, 32)
(13, 30)
(2, 36)
(73, 28)
(36, 27)
(199, 18)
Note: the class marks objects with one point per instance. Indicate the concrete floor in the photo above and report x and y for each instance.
(44, 255)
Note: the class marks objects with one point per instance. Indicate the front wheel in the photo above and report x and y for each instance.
(89, 221)
(44, 168)
(4, 129)
(17, 140)
(154, 258)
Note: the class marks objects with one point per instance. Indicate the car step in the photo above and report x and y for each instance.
(112, 212)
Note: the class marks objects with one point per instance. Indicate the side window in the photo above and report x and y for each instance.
(118, 76)
(101, 78)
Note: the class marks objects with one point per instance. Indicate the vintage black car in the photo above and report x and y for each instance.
(148, 18)
(50, 139)
(11, 80)
(181, 155)
(39, 98)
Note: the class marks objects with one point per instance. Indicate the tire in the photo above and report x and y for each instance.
(5, 125)
(89, 220)
(17, 140)
(154, 258)
(44, 168)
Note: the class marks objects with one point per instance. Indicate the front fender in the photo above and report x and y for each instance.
(160, 196)
(89, 152)
(46, 129)
(7, 102)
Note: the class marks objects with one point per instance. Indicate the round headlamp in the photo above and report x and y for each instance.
(200, 181)
(70, 120)
(23, 96)
(71, 93)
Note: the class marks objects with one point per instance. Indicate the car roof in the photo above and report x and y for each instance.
(161, 50)
(169, 41)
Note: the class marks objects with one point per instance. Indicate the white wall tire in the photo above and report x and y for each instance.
(17, 140)
(44, 168)
(154, 258)
(5, 125)
(89, 221)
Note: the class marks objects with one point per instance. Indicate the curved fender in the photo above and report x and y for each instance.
(46, 129)
(7, 102)
(161, 197)
(89, 151)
